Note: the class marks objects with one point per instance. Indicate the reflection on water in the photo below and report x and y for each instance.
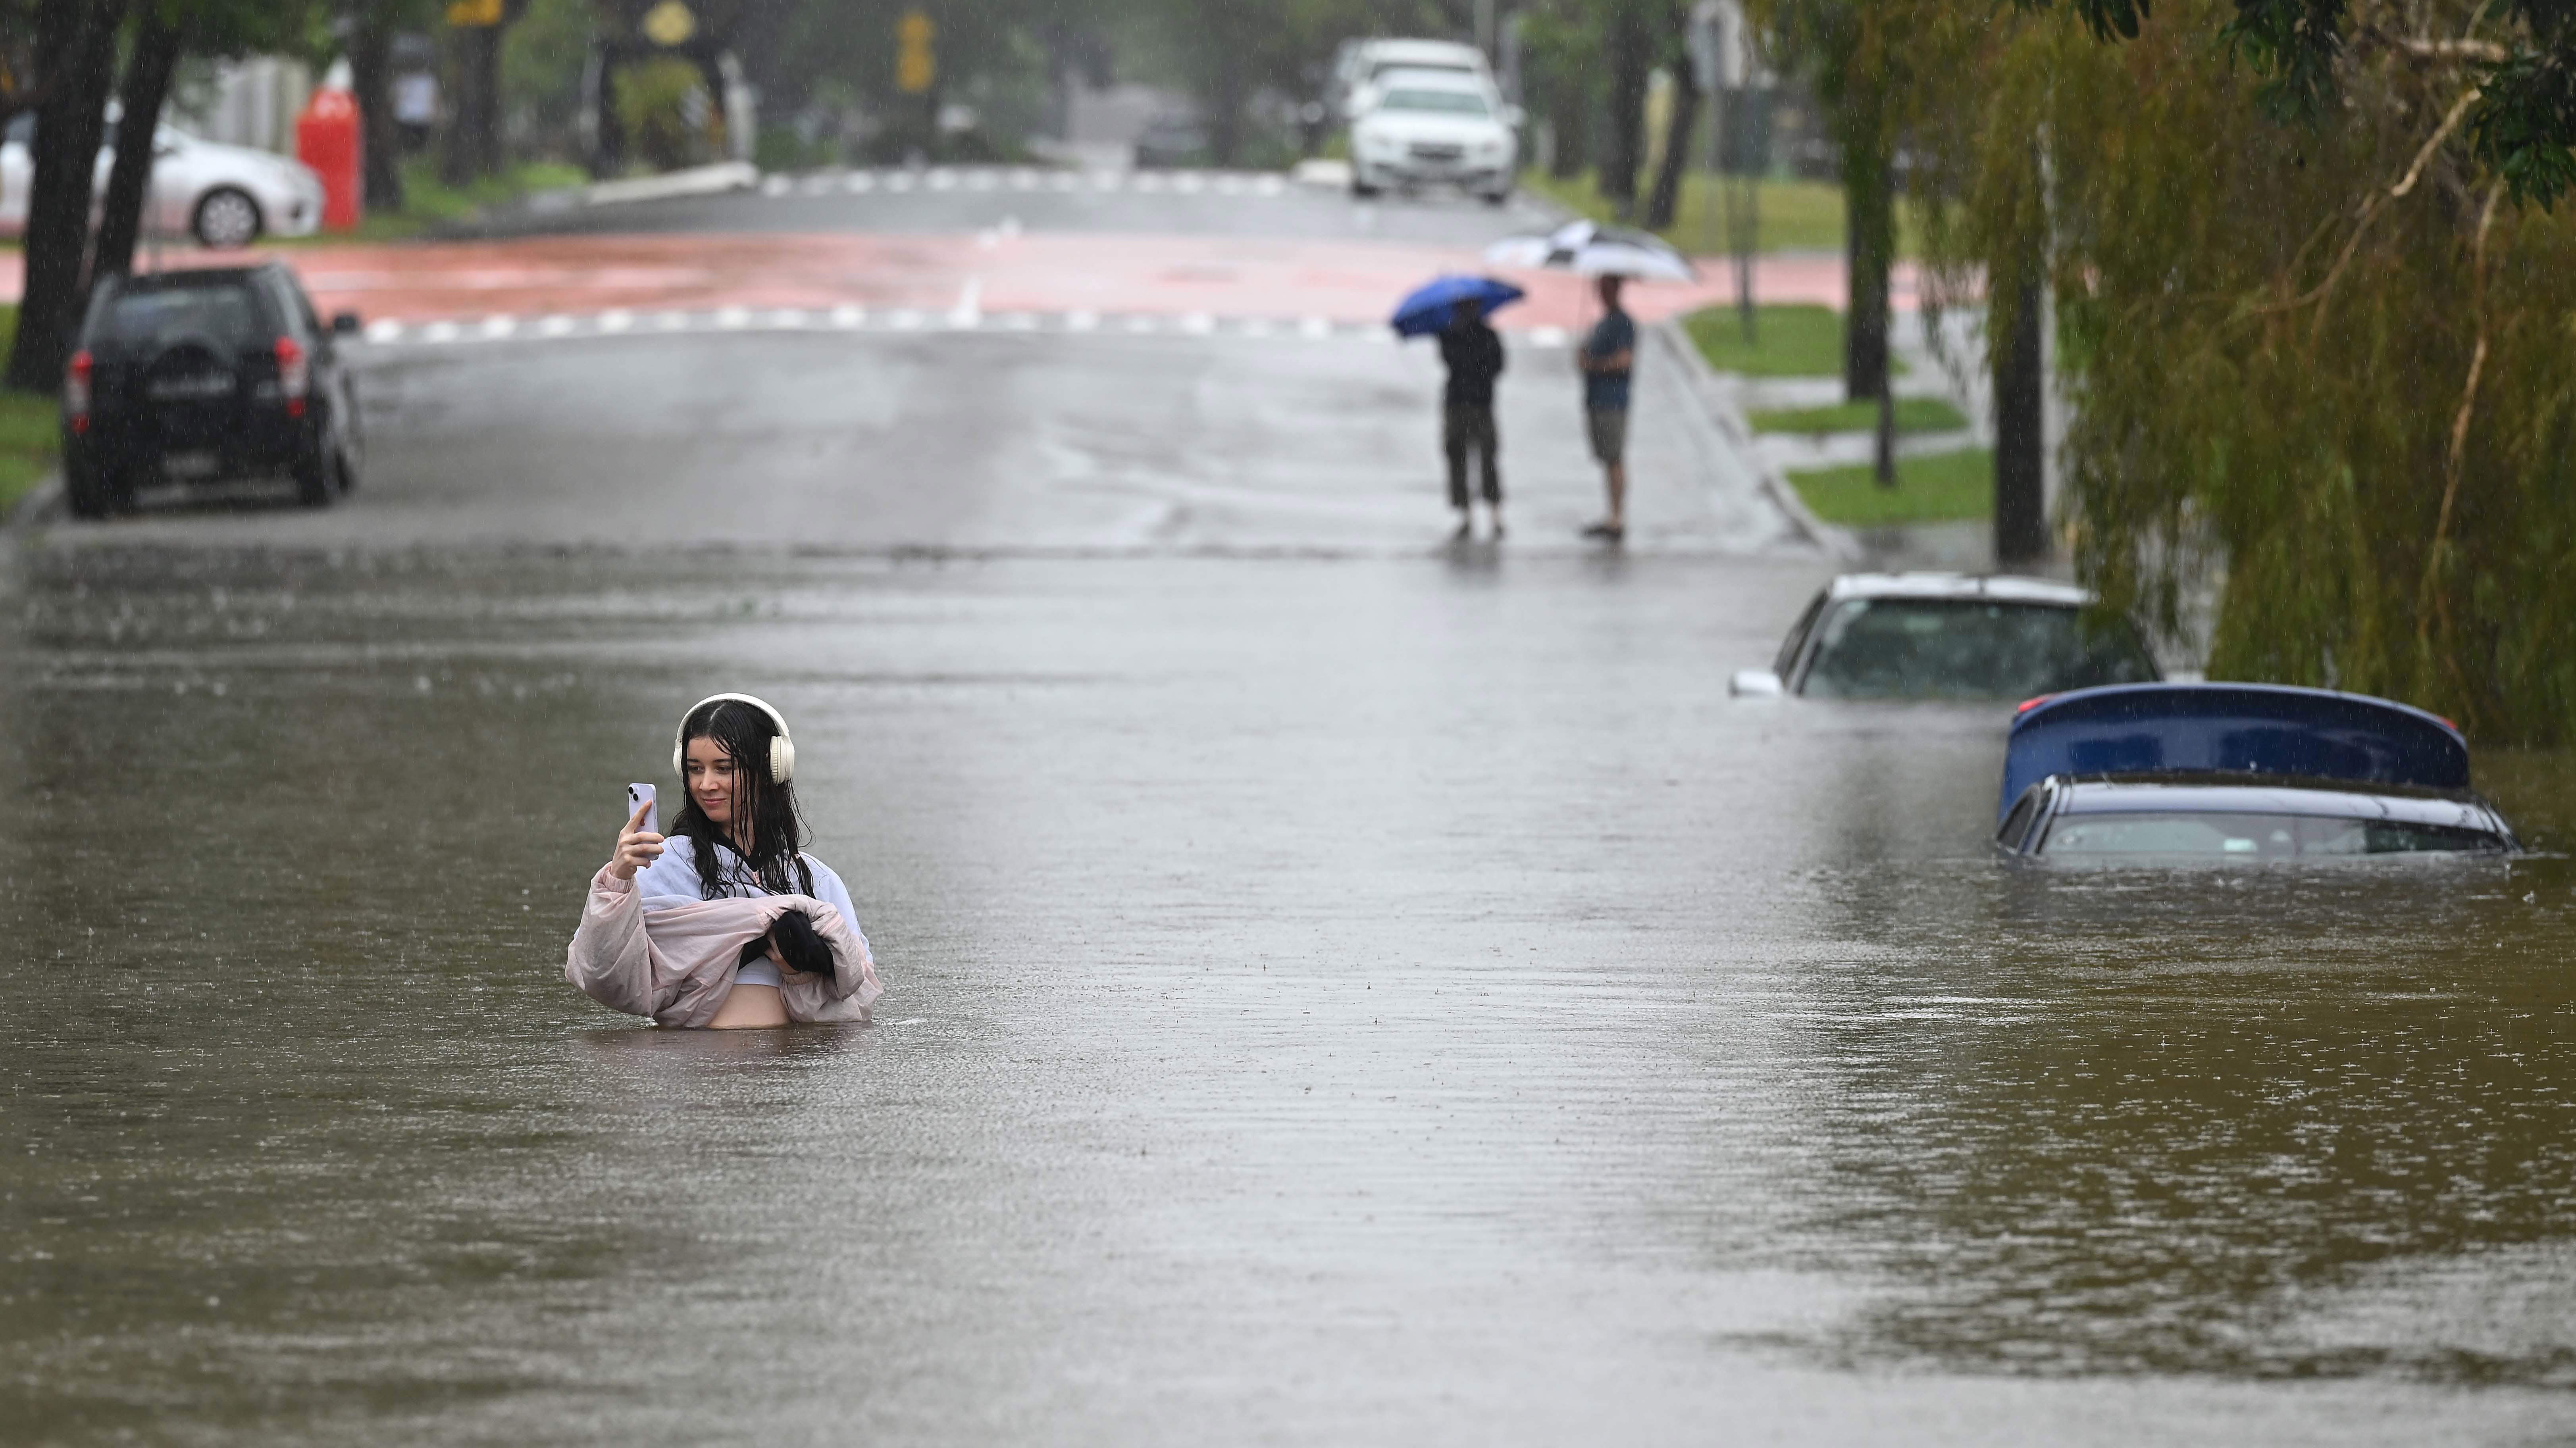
(1338, 976)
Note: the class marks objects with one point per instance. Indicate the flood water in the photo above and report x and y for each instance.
(1371, 1000)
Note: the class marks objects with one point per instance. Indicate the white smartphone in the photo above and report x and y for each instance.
(642, 795)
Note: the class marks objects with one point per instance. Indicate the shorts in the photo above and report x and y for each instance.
(1609, 435)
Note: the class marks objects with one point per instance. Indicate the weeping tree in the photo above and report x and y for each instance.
(2314, 313)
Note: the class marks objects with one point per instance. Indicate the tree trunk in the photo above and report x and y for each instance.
(129, 185)
(1665, 202)
(1225, 128)
(371, 75)
(76, 53)
(1869, 212)
(2021, 498)
(473, 147)
(1569, 115)
(1623, 149)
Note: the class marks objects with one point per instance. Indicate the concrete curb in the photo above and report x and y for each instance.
(696, 181)
(42, 504)
(1717, 405)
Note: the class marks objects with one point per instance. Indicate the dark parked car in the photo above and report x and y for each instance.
(2149, 774)
(205, 376)
(1949, 636)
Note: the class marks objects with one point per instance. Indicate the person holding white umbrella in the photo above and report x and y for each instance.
(1608, 359)
(1608, 356)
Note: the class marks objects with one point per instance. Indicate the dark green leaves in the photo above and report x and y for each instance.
(2524, 123)
(2293, 44)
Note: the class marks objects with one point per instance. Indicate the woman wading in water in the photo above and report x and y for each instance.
(726, 922)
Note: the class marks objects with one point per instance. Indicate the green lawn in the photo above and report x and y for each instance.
(1789, 341)
(1792, 215)
(1913, 414)
(29, 428)
(1941, 488)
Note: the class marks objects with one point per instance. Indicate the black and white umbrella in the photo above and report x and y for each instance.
(1590, 249)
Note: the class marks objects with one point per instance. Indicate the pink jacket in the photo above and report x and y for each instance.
(676, 963)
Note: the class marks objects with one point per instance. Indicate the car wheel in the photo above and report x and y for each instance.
(318, 480)
(1363, 191)
(1497, 198)
(226, 218)
(84, 494)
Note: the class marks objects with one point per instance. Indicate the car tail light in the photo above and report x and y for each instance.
(2029, 704)
(76, 390)
(294, 375)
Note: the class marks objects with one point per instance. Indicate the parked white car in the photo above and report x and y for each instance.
(1432, 127)
(224, 196)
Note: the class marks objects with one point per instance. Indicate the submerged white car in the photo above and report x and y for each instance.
(224, 196)
(1429, 127)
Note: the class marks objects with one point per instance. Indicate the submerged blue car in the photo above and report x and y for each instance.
(2160, 773)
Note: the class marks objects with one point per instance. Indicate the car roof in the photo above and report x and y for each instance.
(2316, 799)
(1416, 78)
(194, 276)
(1383, 52)
(2001, 587)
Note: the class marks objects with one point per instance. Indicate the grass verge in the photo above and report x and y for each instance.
(429, 202)
(1791, 215)
(1946, 487)
(1913, 414)
(1788, 341)
(30, 422)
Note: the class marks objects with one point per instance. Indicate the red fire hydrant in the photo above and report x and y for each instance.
(326, 139)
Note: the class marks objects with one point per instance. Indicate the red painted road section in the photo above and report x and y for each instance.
(1343, 281)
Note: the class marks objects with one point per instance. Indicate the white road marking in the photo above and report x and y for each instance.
(858, 181)
(555, 326)
(1016, 321)
(1198, 324)
(775, 185)
(846, 316)
(1548, 337)
(788, 317)
(1024, 180)
(1140, 326)
(672, 321)
(943, 179)
(899, 181)
(1146, 182)
(383, 330)
(1270, 186)
(981, 180)
(904, 320)
(499, 326)
(1104, 180)
(969, 311)
(733, 318)
(966, 314)
(1315, 327)
(1081, 321)
(439, 332)
(1189, 183)
(616, 321)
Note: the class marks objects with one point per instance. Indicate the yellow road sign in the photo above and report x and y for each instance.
(472, 13)
(916, 65)
(669, 24)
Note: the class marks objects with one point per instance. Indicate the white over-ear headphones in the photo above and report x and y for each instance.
(782, 749)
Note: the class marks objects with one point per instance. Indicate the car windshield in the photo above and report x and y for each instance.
(1916, 648)
(1451, 103)
(224, 312)
(2189, 835)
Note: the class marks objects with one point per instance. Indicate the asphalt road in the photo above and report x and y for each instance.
(1343, 988)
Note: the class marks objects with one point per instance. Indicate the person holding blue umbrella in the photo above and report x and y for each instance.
(1453, 309)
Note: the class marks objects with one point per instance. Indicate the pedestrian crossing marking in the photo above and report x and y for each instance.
(966, 317)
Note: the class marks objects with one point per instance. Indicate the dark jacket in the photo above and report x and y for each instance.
(1475, 357)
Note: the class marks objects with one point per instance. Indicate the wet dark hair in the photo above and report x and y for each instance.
(775, 863)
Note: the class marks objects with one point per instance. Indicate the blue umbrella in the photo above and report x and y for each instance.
(1428, 309)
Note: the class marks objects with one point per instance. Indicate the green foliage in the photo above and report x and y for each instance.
(1945, 487)
(2323, 370)
(1913, 414)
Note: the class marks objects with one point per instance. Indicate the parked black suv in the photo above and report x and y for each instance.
(204, 375)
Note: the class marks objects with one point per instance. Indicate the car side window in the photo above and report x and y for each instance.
(2017, 824)
(1797, 637)
(293, 303)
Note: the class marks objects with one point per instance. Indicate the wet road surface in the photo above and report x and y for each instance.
(1341, 989)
